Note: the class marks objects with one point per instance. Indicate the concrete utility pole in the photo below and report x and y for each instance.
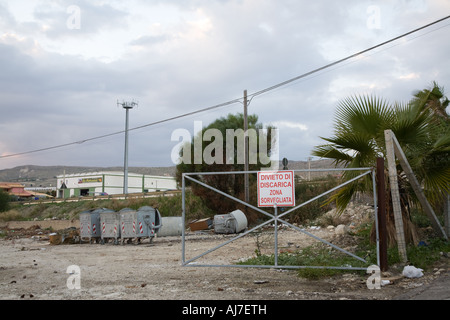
(309, 168)
(246, 183)
(395, 196)
(127, 106)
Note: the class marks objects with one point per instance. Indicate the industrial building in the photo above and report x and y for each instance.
(110, 182)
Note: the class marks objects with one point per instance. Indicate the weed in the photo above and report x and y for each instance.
(317, 257)
(422, 256)
(11, 215)
(427, 253)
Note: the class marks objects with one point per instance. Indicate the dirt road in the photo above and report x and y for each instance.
(33, 269)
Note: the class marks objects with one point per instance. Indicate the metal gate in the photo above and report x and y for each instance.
(276, 218)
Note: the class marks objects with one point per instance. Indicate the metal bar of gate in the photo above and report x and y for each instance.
(274, 218)
(228, 196)
(231, 197)
(276, 235)
(296, 170)
(183, 217)
(227, 242)
(326, 192)
(323, 241)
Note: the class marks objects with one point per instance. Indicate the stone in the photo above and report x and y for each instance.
(341, 229)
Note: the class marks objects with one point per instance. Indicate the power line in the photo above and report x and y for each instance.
(238, 100)
(123, 131)
(345, 59)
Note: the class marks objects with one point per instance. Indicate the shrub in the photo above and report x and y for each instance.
(4, 201)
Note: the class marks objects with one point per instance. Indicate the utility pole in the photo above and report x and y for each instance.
(395, 196)
(309, 168)
(246, 183)
(127, 106)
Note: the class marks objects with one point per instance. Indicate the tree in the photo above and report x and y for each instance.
(358, 140)
(433, 159)
(434, 99)
(4, 200)
(225, 153)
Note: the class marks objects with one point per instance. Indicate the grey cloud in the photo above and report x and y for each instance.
(16, 68)
(6, 18)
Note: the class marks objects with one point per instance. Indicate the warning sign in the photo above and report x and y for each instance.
(276, 187)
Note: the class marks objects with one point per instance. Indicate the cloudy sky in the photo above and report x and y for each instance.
(65, 64)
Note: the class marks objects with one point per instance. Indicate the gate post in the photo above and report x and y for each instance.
(276, 234)
(381, 191)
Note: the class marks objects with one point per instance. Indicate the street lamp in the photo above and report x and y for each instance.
(127, 106)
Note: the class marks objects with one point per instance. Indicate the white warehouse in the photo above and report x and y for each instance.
(110, 182)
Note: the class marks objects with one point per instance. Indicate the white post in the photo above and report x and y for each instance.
(395, 196)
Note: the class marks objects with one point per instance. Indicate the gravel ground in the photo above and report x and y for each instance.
(33, 269)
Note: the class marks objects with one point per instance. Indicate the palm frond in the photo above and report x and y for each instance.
(330, 152)
(363, 115)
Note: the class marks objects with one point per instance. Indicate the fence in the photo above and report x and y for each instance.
(105, 197)
(275, 218)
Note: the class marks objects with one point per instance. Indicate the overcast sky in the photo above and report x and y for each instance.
(65, 64)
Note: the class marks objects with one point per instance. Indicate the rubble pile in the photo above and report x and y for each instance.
(65, 236)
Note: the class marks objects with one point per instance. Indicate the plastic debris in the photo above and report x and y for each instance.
(412, 272)
(385, 282)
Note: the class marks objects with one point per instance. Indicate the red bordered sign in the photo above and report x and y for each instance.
(276, 188)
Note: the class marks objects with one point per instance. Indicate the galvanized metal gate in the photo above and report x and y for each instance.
(275, 218)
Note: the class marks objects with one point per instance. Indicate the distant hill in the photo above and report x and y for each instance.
(45, 176)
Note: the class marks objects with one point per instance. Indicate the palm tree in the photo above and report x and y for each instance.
(434, 99)
(358, 140)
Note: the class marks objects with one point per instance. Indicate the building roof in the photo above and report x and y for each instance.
(9, 185)
(38, 194)
(113, 173)
(15, 188)
(98, 173)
